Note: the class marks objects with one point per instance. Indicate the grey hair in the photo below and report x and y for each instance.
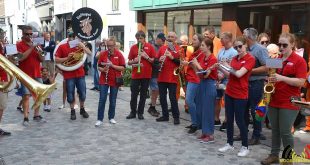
(250, 33)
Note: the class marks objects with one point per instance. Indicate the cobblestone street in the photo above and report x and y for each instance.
(62, 141)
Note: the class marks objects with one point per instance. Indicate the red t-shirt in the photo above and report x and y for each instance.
(32, 64)
(3, 74)
(191, 75)
(62, 52)
(238, 87)
(117, 59)
(146, 69)
(207, 62)
(294, 66)
(166, 74)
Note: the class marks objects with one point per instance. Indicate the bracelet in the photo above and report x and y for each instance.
(148, 58)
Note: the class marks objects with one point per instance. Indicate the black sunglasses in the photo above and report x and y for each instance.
(282, 45)
(28, 34)
(238, 47)
(264, 42)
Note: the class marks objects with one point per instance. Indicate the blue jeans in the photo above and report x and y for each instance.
(24, 90)
(206, 105)
(103, 98)
(96, 77)
(236, 108)
(80, 85)
(192, 91)
(256, 89)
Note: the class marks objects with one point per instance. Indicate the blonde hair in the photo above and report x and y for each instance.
(291, 37)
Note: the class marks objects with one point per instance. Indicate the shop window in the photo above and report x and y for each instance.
(154, 25)
(178, 21)
(207, 17)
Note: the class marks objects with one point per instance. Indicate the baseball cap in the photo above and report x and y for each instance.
(161, 36)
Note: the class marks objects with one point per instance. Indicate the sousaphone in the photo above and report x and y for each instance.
(87, 26)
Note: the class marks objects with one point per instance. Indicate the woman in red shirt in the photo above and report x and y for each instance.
(111, 63)
(207, 91)
(193, 82)
(236, 95)
(288, 81)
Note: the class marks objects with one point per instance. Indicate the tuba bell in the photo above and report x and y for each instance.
(38, 90)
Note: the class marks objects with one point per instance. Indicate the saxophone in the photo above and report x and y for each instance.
(269, 87)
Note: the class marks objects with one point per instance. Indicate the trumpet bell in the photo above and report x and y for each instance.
(38, 90)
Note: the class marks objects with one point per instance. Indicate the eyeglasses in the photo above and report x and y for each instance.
(282, 45)
(28, 34)
(264, 42)
(238, 47)
(110, 45)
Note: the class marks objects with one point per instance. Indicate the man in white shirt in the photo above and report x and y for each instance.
(48, 48)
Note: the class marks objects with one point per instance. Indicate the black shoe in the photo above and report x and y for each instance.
(131, 116)
(140, 116)
(190, 126)
(160, 119)
(4, 133)
(73, 116)
(223, 126)
(217, 123)
(94, 88)
(253, 142)
(192, 130)
(262, 137)
(153, 111)
(20, 109)
(84, 113)
(176, 121)
(237, 138)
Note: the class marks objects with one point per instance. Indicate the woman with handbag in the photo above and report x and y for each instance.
(111, 64)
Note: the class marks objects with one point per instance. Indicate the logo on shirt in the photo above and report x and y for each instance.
(290, 63)
(242, 62)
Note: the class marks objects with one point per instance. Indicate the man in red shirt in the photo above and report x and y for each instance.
(140, 80)
(3, 95)
(30, 63)
(75, 77)
(169, 58)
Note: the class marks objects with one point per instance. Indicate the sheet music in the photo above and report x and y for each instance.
(11, 49)
(38, 41)
(74, 43)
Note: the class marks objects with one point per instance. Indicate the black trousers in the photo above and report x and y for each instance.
(138, 86)
(172, 88)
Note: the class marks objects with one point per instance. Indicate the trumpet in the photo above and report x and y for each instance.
(39, 50)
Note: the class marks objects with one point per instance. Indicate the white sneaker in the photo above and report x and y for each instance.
(227, 147)
(112, 121)
(244, 151)
(61, 107)
(98, 123)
